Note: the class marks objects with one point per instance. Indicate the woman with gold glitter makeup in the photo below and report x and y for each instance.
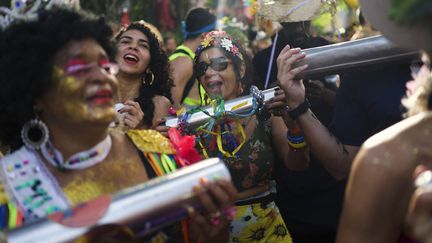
(62, 151)
(144, 82)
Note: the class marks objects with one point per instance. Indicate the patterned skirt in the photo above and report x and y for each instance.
(259, 222)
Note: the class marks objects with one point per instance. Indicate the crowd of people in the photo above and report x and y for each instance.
(321, 161)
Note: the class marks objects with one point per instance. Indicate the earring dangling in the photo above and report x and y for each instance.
(149, 72)
(34, 134)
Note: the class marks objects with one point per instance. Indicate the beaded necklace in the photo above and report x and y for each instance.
(81, 160)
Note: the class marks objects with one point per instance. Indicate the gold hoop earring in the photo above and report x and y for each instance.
(152, 77)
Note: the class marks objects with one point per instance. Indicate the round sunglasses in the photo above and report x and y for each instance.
(217, 64)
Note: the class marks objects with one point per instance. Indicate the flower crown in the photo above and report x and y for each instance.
(220, 39)
(28, 10)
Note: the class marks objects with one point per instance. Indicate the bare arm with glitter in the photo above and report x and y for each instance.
(335, 156)
(381, 182)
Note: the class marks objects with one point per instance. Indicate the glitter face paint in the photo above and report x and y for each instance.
(69, 101)
(84, 87)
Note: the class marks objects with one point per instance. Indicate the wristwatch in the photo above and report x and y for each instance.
(302, 108)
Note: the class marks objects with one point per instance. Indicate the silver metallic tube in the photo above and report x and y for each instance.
(145, 208)
(345, 56)
(199, 118)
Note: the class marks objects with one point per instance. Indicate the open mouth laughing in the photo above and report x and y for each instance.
(130, 58)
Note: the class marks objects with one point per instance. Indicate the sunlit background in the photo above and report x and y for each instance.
(237, 16)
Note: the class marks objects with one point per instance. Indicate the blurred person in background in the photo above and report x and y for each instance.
(170, 44)
(186, 90)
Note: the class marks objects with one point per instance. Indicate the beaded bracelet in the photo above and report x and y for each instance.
(295, 139)
(296, 142)
(295, 131)
(297, 145)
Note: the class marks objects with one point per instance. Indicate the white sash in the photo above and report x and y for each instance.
(32, 186)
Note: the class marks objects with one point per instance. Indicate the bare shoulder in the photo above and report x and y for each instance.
(404, 142)
(420, 124)
(181, 62)
(390, 157)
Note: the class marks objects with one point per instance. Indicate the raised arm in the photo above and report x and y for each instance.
(282, 126)
(335, 156)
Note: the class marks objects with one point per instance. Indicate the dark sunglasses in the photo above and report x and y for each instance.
(217, 64)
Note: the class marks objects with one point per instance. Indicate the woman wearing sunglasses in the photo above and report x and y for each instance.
(246, 147)
(55, 119)
(144, 82)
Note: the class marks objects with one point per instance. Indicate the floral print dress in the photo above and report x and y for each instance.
(251, 167)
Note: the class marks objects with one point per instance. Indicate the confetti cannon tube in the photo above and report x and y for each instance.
(342, 57)
(144, 208)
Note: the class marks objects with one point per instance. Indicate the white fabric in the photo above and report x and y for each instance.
(31, 184)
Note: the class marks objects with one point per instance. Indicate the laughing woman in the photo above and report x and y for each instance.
(144, 82)
(222, 68)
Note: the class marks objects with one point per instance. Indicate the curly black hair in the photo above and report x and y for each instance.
(27, 53)
(159, 66)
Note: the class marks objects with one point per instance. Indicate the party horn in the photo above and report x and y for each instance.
(142, 209)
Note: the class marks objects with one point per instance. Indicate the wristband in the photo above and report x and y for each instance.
(302, 108)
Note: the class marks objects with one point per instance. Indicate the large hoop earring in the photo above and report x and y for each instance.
(35, 134)
(152, 77)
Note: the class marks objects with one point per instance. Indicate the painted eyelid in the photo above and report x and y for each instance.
(77, 67)
(104, 61)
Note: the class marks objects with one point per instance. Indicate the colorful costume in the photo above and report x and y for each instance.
(257, 219)
(31, 184)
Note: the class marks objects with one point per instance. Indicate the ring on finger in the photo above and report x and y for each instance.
(215, 218)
